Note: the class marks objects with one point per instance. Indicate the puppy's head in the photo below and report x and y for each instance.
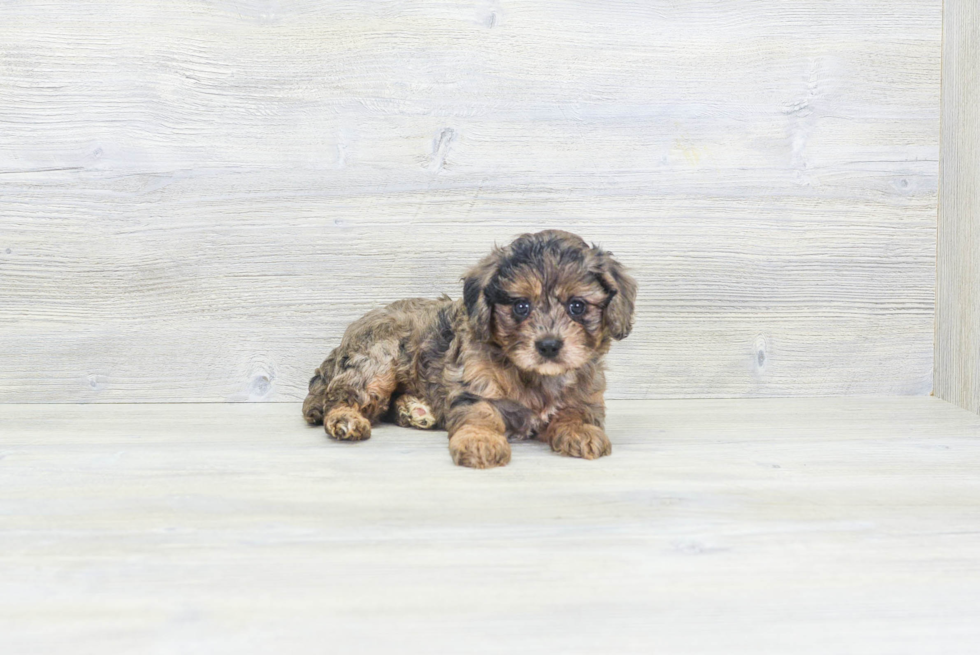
(551, 302)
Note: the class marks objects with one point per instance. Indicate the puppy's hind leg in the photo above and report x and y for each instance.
(360, 391)
(313, 405)
(352, 388)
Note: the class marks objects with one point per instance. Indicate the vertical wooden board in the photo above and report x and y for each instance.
(957, 376)
(196, 197)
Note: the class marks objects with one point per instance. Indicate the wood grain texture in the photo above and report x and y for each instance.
(716, 526)
(197, 197)
(957, 375)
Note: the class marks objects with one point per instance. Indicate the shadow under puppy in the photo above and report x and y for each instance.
(520, 356)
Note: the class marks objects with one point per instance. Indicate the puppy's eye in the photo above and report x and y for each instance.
(576, 307)
(522, 308)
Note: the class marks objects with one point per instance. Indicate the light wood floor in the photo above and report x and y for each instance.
(721, 526)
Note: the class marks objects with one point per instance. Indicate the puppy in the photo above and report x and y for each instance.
(520, 356)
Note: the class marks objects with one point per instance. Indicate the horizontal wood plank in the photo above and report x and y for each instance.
(196, 198)
(716, 526)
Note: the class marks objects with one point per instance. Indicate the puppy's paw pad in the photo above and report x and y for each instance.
(347, 424)
(479, 448)
(413, 413)
(585, 441)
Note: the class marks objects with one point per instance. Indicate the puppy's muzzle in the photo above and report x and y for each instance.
(549, 347)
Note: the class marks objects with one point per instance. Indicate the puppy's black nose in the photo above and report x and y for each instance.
(548, 346)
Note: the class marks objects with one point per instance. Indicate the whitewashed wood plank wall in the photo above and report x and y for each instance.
(197, 197)
(957, 375)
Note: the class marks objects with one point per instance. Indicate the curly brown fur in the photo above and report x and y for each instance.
(519, 356)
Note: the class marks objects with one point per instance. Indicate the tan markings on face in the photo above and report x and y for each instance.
(524, 286)
(589, 291)
(549, 317)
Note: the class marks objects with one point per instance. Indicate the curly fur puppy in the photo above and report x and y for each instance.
(520, 356)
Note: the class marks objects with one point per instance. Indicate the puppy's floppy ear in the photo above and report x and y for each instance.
(479, 310)
(618, 313)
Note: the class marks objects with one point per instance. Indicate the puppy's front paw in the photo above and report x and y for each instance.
(479, 448)
(585, 441)
(346, 424)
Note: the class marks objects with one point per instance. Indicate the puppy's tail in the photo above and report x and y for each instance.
(313, 405)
